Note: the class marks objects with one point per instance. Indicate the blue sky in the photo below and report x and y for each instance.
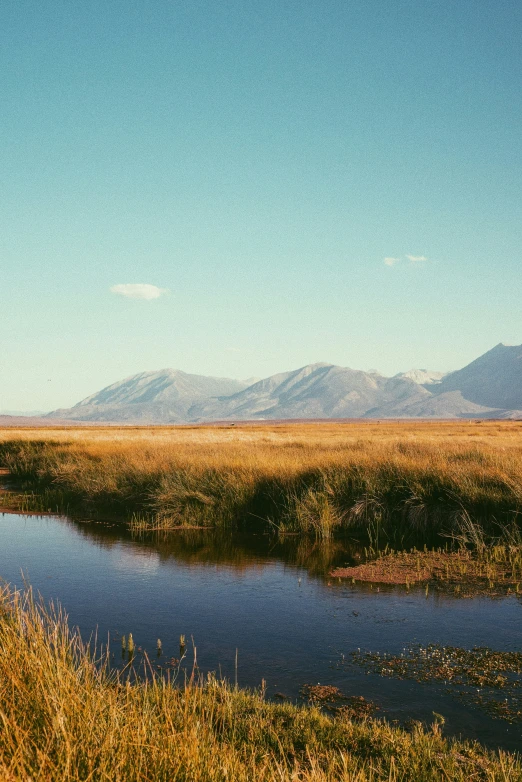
(257, 162)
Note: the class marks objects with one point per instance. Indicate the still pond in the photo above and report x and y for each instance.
(263, 610)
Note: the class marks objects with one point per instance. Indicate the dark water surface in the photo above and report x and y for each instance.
(274, 603)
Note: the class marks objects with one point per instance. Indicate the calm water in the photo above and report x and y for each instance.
(275, 604)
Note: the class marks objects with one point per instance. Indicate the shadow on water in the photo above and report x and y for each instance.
(226, 549)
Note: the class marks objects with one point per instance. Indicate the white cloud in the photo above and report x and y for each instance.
(138, 291)
(391, 261)
(416, 258)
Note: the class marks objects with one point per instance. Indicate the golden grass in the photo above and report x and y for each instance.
(317, 433)
(497, 568)
(66, 718)
(310, 477)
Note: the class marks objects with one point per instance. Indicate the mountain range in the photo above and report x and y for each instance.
(489, 387)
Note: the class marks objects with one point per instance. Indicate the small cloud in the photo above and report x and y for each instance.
(138, 291)
(233, 350)
(391, 261)
(416, 258)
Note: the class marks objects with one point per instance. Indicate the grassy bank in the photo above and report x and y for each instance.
(298, 478)
(64, 718)
(391, 478)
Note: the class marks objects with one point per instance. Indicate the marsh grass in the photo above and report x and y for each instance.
(67, 717)
(496, 571)
(472, 563)
(389, 480)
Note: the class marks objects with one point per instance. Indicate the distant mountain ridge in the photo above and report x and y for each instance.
(490, 386)
(150, 397)
(423, 376)
(494, 379)
(313, 391)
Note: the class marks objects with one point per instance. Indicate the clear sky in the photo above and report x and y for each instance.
(257, 162)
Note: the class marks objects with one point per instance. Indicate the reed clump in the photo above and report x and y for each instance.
(315, 479)
(497, 570)
(66, 717)
(473, 562)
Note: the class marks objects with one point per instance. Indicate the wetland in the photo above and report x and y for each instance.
(395, 616)
(265, 613)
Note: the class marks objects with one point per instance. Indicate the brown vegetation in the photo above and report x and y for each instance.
(315, 478)
(480, 676)
(495, 567)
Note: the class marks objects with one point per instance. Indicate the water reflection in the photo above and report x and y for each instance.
(239, 552)
(269, 599)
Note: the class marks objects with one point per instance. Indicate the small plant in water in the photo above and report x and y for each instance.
(480, 676)
(322, 693)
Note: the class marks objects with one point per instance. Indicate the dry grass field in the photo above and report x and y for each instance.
(315, 478)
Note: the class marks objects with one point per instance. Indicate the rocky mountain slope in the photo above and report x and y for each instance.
(493, 380)
(491, 386)
(422, 376)
(150, 397)
(314, 391)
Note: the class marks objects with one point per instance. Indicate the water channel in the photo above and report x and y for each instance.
(270, 605)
